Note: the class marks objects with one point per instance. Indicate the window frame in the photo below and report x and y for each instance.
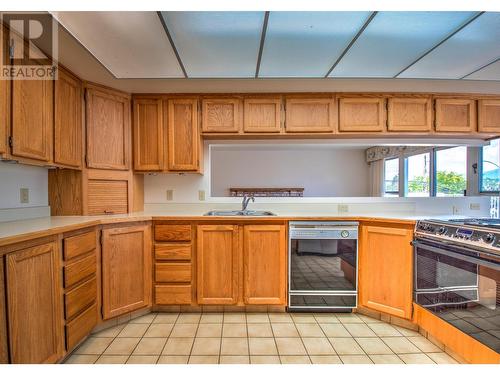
(480, 175)
(396, 193)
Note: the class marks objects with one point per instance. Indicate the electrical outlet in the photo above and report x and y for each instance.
(475, 206)
(24, 195)
(170, 195)
(343, 208)
(201, 195)
(455, 210)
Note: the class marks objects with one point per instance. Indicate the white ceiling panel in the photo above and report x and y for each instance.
(393, 40)
(306, 44)
(216, 44)
(129, 44)
(490, 72)
(469, 49)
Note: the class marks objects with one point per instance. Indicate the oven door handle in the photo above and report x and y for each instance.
(452, 254)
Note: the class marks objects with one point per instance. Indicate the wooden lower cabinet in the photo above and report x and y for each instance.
(386, 269)
(34, 296)
(4, 346)
(126, 269)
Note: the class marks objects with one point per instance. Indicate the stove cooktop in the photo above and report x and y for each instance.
(480, 222)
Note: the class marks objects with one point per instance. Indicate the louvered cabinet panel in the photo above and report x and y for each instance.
(107, 197)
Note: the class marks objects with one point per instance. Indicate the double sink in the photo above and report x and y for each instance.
(240, 213)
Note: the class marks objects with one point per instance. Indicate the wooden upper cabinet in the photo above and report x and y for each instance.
(68, 121)
(455, 115)
(220, 115)
(386, 270)
(148, 135)
(126, 269)
(362, 114)
(32, 119)
(262, 115)
(5, 100)
(108, 130)
(183, 135)
(307, 115)
(217, 264)
(488, 115)
(409, 114)
(264, 264)
(34, 300)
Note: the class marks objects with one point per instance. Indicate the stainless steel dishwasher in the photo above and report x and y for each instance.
(323, 265)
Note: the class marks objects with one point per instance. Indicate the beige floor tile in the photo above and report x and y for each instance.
(384, 329)
(348, 318)
(178, 346)
(386, 359)
(262, 346)
(143, 359)
(368, 319)
(235, 318)
(112, 359)
(94, 345)
(204, 359)
(257, 318)
(325, 359)
(290, 346)
(259, 330)
(284, 330)
(150, 346)
(280, 318)
(159, 330)
(400, 345)
(234, 346)
(355, 359)
(122, 346)
(345, 346)
(206, 346)
(184, 330)
(294, 359)
(265, 360)
(303, 318)
(211, 318)
(407, 332)
(234, 360)
(424, 345)
(174, 359)
(334, 330)
(147, 319)
(442, 358)
(318, 346)
(166, 318)
(133, 330)
(416, 359)
(234, 330)
(359, 330)
(109, 332)
(189, 318)
(373, 345)
(209, 330)
(326, 318)
(82, 359)
(309, 330)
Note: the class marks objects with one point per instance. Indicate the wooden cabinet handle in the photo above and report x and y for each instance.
(108, 212)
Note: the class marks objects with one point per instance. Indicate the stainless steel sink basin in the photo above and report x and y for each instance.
(240, 213)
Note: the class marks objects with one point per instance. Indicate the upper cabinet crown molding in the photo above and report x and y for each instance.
(488, 112)
(149, 143)
(457, 115)
(308, 114)
(221, 115)
(409, 114)
(362, 114)
(262, 115)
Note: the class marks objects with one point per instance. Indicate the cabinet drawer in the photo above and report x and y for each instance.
(107, 197)
(81, 326)
(173, 272)
(79, 270)
(79, 298)
(169, 251)
(173, 294)
(173, 232)
(78, 245)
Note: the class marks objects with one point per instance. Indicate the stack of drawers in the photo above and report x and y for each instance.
(173, 266)
(80, 286)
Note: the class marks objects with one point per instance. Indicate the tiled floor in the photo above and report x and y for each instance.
(257, 338)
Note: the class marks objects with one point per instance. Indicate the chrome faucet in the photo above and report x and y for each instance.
(246, 200)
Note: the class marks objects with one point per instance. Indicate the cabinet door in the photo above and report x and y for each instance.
(262, 115)
(108, 130)
(34, 297)
(455, 115)
(409, 114)
(126, 270)
(220, 115)
(5, 99)
(4, 348)
(148, 135)
(68, 124)
(32, 119)
(217, 264)
(183, 135)
(361, 114)
(386, 269)
(489, 116)
(264, 264)
(310, 115)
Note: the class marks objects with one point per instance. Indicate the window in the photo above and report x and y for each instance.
(418, 180)
(489, 181)
(451, 172)
(391, 178)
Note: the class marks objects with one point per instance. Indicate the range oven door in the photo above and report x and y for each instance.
(460, 285)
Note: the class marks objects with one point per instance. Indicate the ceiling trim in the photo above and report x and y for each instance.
(468, 22)
(165, 28)
(262, 41)
(481, 68)
(365, 25)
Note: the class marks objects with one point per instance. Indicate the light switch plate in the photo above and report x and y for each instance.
(475, 206)
(24, 195)
(201, 195)
(170, 195)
